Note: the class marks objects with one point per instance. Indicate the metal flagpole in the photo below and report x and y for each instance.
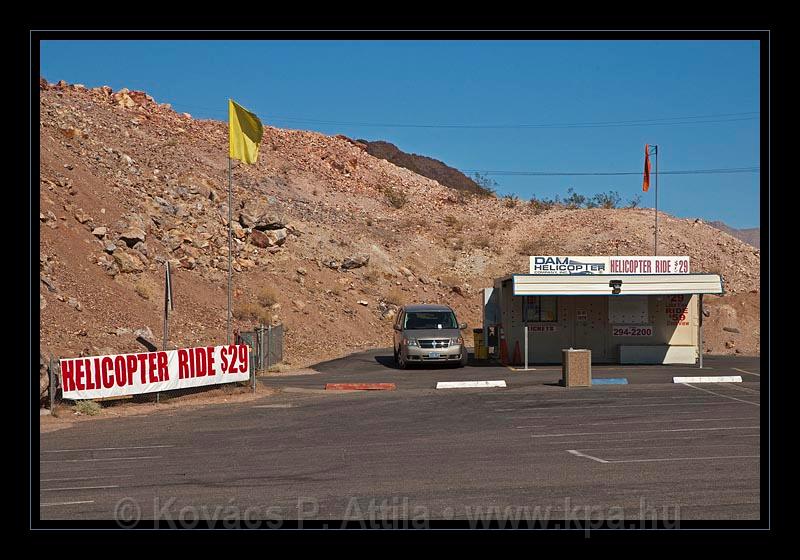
(655, 250)
(230, 247)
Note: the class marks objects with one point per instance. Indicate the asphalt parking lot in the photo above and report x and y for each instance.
(530, 450)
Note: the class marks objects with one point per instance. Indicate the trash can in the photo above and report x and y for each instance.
(481, 352)
(576, 367)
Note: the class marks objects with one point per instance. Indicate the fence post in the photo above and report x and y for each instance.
(269, 346)
(52, 380)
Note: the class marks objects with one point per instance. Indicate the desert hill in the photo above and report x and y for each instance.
(328, 239)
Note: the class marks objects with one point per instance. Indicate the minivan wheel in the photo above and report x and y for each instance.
(401, 363)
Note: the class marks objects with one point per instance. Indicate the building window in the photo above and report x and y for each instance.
(539, 309)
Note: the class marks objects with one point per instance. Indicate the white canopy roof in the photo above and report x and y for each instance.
(603, 284)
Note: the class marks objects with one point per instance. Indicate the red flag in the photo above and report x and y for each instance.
(646, 181)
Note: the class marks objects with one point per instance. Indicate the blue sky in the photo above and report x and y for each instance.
(363, 83)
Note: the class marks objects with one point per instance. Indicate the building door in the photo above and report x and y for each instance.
(589, 320)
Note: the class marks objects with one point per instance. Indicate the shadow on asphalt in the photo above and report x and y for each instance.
(388, 362)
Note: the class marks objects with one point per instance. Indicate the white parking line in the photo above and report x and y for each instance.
(720, 394)
(610, 461)
(744, 389)
(78, 488)
(106, 448)
(686, 459)
(67, 503)
(622, 439)
(648, 431)
(685, 446)
(579, 454)
(703, 403)
(643, 422)
(747, 372)
(644, 415)
(103, 459)
(85, 478)
(274, 406)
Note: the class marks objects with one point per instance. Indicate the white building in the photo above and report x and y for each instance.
(631, 310)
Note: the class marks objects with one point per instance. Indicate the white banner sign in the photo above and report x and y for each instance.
(570, 265)
(147, 372)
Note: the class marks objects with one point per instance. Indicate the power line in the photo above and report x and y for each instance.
(605, 173)
(661, 121)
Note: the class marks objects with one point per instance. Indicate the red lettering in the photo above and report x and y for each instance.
(98, 383)
(108, 379)
(142, 367)
(210, 353)
(163, 373)
(67, 375)
(199, 362)
(243, 357)
(151, 369)
(79, 373)
(131, 359)
(183, 366)
(119, 370)
(224, 355)
(87, 367)
(233, 368)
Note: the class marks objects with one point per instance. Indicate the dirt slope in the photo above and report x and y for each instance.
(127, 182)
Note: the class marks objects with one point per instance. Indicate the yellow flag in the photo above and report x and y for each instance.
(245, 131)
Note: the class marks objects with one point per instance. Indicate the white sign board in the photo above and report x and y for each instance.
(571, 265)
(147, 372)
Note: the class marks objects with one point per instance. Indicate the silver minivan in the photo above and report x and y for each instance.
(428, 333)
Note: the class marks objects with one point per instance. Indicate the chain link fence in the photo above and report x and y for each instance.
(266, 346)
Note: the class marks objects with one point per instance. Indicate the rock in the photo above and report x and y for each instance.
(100, 232)
(302, 271)
(42, 302)
(355, 262)
(269, 238)
(128, 263)
(457, 290)
(299, 304)
(258, 214)
(165, 205)
(132, 236)
(731, 330)
(362, 302)
(187, 263)
(110, 248)
(405, 272)
(730, 344)
(144, 332)
(75, 304)
(82, 216)
(47, 282)
(238, 231)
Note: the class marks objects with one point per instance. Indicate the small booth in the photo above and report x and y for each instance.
(629, 310)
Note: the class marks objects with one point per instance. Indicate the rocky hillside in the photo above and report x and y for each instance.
(425, 166)
(751, 236)
(327, 238)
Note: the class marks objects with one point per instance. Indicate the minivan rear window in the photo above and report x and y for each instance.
(415, 320)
